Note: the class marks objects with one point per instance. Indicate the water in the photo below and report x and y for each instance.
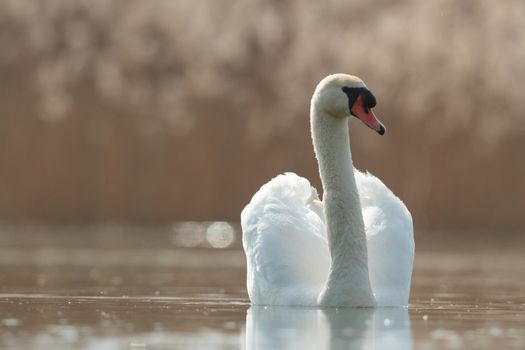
(117, 287)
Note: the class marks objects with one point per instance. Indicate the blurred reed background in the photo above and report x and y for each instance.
(161, 111)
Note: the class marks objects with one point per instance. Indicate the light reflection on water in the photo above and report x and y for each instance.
(219, 234)
(129, 288)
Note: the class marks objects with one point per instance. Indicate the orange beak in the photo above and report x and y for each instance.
(367, 116)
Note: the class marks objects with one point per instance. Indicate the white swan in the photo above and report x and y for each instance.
(355, 248)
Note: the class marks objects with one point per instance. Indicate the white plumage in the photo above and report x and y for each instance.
(302, 252)
(287, 251)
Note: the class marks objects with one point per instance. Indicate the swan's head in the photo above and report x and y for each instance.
(343, 95)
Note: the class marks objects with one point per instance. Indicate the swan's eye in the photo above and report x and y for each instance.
(369, 100)
(352, 93)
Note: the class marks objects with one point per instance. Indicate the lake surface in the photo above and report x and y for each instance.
(182, 287)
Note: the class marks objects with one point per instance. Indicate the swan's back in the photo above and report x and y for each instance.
(390, 240)
(285, 243)
(284, 237)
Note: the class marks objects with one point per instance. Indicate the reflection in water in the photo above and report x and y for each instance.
(126, 287)
(302, 328)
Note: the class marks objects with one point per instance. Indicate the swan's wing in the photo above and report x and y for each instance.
(285, 243)
(390, 241)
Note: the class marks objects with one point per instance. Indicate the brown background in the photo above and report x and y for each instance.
(154, 112)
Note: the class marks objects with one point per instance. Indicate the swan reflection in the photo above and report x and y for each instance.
(338, 328)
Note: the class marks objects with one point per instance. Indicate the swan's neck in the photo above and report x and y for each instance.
(348, 281)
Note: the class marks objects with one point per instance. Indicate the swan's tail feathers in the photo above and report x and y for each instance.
(284, 240)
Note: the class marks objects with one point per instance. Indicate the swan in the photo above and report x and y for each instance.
(354, 248)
